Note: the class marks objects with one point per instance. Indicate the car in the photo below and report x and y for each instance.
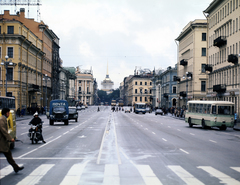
(127, 109)
(78, 108)
(148, 109)
(83, 107)
(159, 111)
(73, 114)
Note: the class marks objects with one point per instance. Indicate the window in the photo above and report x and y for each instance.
(174, 91)
(141, 91)
(204, 37)
(214, 109)
(79, 81)
(224, 110)
(150, 91)
(146, 91)
(10, 74)
(203, 68)
(0, 51)
(79, 89)
(135, 83)
(0, 30)
(10, 29)
(150, 83)
(140, 83)
(10, 52)
(203, 51)
(145, 99)
(135, 98)
(135, 90)
(145, 83)
(140, 98)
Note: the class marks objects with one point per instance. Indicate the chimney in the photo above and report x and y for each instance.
(6, 12)
(22, 12)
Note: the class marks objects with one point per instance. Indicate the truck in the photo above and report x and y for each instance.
(58, 112)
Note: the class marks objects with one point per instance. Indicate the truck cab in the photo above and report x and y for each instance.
(58, 112)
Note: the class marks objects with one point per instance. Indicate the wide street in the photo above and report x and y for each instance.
(124, 148)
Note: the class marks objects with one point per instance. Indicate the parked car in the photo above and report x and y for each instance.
(73, 114)
(127, 109)
(78, 108)
(148, 109)
(159, 111)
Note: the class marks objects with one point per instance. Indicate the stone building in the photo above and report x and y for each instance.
(223, 18)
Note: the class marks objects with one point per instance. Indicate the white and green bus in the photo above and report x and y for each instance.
(210, 114)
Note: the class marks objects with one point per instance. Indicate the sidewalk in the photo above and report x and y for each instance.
(24, 117)
(237, 126)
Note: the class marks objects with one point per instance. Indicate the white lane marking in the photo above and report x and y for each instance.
(179, 130)
(148, 175)
(185, 175)
(213, 141)
(49, 138)
(224, 179)
(6, 171)
(36, 175)
(65, 133)
(164, 139)
(24, 133)
(153, 132)
(111, 174)
(192, 134)
(146, 128)
(74, 174)
(184, 151)
(38, 147)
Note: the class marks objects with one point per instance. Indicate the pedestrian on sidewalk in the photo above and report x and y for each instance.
(5, 140)
(235, 118)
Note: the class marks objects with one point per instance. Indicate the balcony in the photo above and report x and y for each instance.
(175, 78)
(220, 88)
(233, 59)
(208, 68)
(33, 88)
(165, 95)
(183, 93)
(220, 41)
(183, 62)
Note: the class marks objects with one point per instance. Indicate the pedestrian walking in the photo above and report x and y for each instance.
(235, 118)
(5, 140)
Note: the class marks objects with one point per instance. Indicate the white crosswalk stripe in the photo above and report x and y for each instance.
(225, 179)
(147, 174)
(74, 174)
(36, 175)
(184, 175)
(6, 171)
(111, 174)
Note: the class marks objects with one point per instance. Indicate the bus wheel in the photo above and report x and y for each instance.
(189, 122)
(203, 124)
(223, 127)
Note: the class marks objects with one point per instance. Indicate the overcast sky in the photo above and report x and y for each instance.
(124, 33)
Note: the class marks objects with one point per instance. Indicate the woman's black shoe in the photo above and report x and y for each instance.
(18, 169)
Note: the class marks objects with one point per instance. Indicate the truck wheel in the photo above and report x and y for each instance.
(66, 122)
(75, 120)
(190, 122)
(50, 122)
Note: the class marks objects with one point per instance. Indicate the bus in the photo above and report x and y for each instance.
(113, 103)
(140, 107)
(120, 103)
(210, 114)
(9, 102)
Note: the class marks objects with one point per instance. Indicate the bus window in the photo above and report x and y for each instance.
(190, 107)
(208, 108)
(225, 110)
(193, 107)
(200, 108)
(204, 109)
(197, 107)
(214, 109)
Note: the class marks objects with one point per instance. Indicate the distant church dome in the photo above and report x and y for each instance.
(107, 84)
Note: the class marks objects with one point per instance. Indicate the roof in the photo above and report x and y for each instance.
(211, 102)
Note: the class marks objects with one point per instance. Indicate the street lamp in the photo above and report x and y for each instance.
(46, 80)
(6, 64)
(187, 78)
(159, 101)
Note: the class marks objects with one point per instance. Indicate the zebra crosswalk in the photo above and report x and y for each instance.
(114, 174)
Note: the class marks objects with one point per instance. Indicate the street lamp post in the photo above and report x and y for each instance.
(159, 101)
(46, 79)
(6, 64)
(188, 77)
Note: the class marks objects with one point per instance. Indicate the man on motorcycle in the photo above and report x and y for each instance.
(37, 121)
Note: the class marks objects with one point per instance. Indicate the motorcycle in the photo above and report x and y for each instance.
(35, 134)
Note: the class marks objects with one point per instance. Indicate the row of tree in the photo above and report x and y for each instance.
(104, 97)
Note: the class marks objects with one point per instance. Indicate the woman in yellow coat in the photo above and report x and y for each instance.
(5, 140)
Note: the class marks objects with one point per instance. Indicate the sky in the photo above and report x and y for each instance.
(124, 34)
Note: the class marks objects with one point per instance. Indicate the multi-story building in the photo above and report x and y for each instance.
(85, 86)
(139, 88)
(49, 62)
(165, 88)
(24, 49)
(223, 19)
(192, 55)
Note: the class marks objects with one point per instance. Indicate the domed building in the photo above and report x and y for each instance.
(107, 84)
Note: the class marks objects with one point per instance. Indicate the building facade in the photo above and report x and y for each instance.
(85, 86)
(223, 19)
(191, 76)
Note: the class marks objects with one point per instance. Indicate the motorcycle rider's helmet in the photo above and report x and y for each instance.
(35, 114)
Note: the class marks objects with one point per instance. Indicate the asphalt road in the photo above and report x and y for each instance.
(124, 148)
